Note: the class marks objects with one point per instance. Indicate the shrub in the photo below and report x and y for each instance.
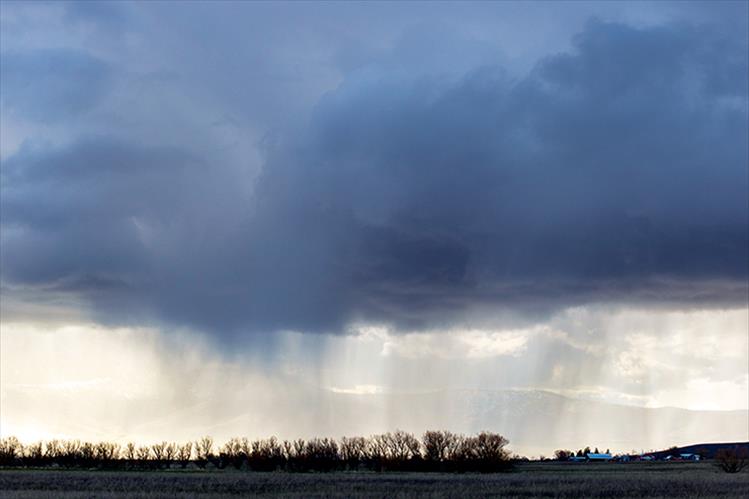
(731, 460)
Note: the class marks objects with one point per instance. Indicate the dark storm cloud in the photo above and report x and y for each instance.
(616, 172)
(130, 228)
(52, 85)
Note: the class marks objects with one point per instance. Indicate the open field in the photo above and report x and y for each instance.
(564, 480)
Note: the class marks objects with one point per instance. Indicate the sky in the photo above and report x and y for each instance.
(213, 209)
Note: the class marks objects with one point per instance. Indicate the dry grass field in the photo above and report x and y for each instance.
(562, 480)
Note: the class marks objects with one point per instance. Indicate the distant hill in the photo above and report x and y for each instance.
(536, 422)
(704, 450)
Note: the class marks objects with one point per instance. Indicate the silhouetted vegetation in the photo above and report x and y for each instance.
(732, 460)
(393, 451)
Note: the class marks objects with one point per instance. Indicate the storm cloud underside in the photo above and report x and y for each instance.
(614, 172)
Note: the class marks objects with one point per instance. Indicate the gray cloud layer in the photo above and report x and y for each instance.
(51, 85)
(613, 172)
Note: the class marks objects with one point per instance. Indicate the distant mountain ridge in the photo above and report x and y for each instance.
(536, 422)
(704, 450)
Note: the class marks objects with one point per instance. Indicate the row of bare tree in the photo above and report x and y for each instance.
(395, 451)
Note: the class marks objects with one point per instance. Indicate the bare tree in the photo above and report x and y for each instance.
(71, 451)
(353, 451)
(245, 447)
(10, 450)
(268, 454)
(299, 447)
(232, 453)
(393, 450)
(321, 454)
(159, 451)
(204, 450)
(105, 452)
(52, 450)
(403, 446)
(288, 449)
(731, 460)
(130, 451)
(377, 450)
(143, 454)
(491, 446)
(439, 445)
(484, 452)
(87, 453)
(170, 453)
(34, 453)
(184, 453)
(293, 452)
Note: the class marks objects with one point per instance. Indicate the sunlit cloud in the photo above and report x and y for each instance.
(358, 390)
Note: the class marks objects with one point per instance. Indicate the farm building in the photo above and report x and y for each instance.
(598, 457)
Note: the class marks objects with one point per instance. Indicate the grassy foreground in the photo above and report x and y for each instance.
(564, 480)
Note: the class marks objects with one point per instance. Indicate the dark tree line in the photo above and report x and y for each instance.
(394, 451)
